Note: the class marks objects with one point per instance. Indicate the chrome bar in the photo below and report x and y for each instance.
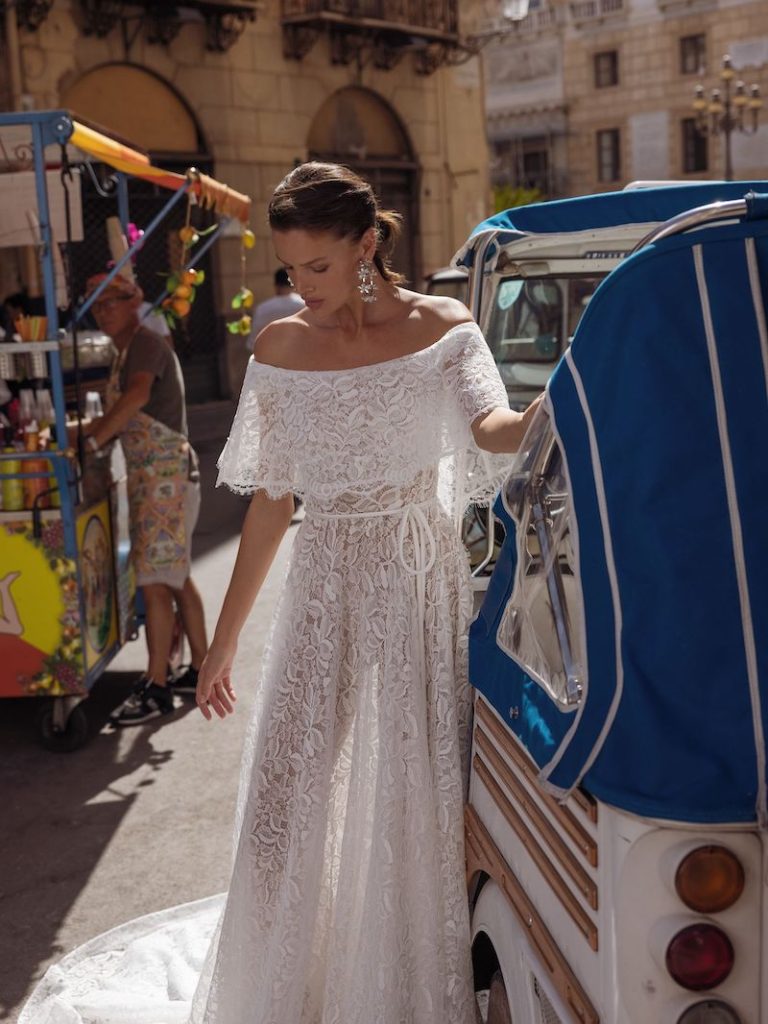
(490, 533)
(724, 210)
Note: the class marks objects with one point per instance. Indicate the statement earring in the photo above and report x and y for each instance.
(366, 285)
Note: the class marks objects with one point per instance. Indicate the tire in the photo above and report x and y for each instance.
(72, 737)
(498, 1004)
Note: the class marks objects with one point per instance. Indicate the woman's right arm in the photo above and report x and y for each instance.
(265, 524)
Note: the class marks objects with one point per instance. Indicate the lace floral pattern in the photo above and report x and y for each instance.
(348, 902)
(322, 434)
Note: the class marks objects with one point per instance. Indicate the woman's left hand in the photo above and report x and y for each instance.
(214, 682)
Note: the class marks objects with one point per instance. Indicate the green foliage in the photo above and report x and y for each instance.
(507, 196)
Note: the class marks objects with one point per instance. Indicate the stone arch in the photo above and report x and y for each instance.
(149, 113)
(357, 127)
(138, 104)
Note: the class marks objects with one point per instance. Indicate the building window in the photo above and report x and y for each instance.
(693, 54)
(523, 163)
(695, 155)
(606, 68)
(609, 155)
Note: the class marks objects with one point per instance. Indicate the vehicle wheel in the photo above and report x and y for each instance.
(63, 741)
(498, 1004)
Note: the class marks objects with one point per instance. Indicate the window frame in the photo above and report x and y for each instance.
(614, 135)
(694, 144)
(605, 65)
(697, 49)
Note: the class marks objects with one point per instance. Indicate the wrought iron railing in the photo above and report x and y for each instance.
(439, 16)
(587, 10)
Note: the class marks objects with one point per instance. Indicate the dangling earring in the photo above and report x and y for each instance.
(367, 285)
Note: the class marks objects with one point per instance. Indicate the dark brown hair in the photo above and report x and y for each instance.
(330, 197)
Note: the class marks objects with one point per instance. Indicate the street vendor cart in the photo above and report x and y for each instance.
(66, 587)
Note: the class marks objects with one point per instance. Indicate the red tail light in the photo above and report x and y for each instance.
(700, 957)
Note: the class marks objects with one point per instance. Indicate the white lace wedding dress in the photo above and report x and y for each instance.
(347, 903)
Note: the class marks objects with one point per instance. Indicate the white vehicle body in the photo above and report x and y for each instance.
(581, 909)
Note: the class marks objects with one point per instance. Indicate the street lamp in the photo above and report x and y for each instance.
(726, 110)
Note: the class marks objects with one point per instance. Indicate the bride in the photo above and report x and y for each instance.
(384, 411)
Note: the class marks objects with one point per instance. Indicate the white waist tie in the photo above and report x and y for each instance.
(414, 524)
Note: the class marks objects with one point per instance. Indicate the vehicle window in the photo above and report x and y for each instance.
(533, 319)
(455, 287)
(541, 627)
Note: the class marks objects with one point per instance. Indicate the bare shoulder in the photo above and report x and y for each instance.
(276, 343)
(439, 313)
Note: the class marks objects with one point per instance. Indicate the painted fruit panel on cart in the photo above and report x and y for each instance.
(40, 644)
(94, 543)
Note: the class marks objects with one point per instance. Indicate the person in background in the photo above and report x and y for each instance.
(285, 302)
(155, 322)
(14, 306)
(146, 410)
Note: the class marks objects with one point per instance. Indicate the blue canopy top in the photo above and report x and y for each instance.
(660, 409)
(610, 209)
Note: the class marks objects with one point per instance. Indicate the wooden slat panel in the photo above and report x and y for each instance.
(552, 876)
(549, 834)
(483, 855)
(567, 820)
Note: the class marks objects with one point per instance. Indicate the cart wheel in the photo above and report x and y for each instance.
(62, 741)
(498, 1003)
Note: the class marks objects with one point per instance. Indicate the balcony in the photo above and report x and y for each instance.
(224, 21)
(386, 28)
(541, 19)
(591, 12)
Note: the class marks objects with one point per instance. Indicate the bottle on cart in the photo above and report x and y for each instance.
(45, 411)
(35, 485)
(93, 407)
(27, 414)
(12, 487)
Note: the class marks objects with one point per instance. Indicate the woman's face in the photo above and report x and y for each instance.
(323, 268)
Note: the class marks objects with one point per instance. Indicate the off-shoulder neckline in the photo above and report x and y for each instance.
(364, 366)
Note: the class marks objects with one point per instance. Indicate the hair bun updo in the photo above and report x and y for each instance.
(322, 197)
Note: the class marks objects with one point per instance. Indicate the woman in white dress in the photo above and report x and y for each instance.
(348, 902)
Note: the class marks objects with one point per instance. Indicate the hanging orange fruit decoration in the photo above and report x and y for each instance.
(242, 302)
(180, 286)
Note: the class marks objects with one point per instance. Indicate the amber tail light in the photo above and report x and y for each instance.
(709, 879)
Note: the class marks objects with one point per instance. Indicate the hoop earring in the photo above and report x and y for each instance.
(366, 285)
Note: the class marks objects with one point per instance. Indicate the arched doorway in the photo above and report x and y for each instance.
(358, 128)
(150, 114)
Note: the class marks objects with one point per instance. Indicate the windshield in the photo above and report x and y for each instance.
(533, 319)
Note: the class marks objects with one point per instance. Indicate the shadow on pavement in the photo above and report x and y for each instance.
(59, 813)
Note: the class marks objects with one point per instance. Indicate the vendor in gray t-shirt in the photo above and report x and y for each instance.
(146, 410)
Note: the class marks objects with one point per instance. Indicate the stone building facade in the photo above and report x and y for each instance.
(280, 84)
(589, 95)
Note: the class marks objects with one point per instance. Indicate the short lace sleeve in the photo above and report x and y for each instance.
(472, 375)
(257, 455)
(472, 381)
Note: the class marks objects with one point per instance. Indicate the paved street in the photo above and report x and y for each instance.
(137, 820)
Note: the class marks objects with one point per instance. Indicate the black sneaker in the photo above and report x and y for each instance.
(147, 701)
(185, 681)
